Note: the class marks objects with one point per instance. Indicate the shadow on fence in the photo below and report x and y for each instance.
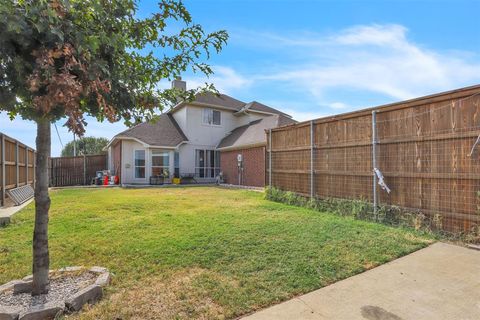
(420, 155)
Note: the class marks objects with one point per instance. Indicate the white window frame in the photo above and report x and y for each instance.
(135, 164)
(157, 152)
(207, 116)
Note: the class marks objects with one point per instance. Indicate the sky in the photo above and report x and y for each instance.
(317, 58)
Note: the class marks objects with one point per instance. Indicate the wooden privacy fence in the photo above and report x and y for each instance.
(73, 171)
(425, 152)
(17, 165)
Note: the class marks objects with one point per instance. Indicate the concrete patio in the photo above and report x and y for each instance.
(439, 282)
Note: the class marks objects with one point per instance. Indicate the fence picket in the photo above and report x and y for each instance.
(422, 148)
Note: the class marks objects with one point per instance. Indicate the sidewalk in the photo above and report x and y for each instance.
(8, 212)
(441, 282)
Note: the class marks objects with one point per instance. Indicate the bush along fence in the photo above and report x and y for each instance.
(420, 157)
(17, 163)
(74, 171)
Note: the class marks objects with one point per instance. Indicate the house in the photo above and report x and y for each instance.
(198, 139)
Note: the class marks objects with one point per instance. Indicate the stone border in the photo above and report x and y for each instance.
(91, 294)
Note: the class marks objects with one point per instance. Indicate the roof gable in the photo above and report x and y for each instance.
(254, 132)
(163, 132)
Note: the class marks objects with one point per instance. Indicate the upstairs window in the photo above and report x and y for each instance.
(212, 117)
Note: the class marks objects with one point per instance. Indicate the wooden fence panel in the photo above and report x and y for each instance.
(422, 148)
(74, 171)
(14, 165)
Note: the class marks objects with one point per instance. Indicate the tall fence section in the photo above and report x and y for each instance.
(17, 163)
(74, 171)
(421, 155)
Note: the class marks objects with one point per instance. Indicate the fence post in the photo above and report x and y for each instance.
(270, 158)
(34, 178)
(312, 173)
(17, 166)
(26, 165)
(84, 170)
(2, 151)
(374, 161)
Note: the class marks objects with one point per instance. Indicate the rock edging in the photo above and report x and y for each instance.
(88, 295)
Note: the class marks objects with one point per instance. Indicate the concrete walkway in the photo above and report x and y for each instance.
(7, 213)
(435, 283)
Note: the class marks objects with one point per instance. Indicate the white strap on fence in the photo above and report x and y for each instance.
(381, 180)
(474, 145)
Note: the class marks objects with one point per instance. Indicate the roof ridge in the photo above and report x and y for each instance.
(175, 124)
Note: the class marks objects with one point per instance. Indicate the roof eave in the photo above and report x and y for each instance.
(243, 146)
(146, 145)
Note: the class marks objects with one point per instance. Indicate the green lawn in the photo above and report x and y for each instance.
(199, 252)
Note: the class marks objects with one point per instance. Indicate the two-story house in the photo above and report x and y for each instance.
(188, 141)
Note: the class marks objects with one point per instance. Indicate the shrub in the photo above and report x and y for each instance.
(363, 210)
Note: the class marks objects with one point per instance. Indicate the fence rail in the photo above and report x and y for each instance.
(73, 171)
(425, 152)
(17, 163)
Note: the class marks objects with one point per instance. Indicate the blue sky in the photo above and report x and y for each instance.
(317, 58)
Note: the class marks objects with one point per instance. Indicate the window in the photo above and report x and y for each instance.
(211, 116)
(207, 163)
(140, 164)
(160, 163)
(176, 164)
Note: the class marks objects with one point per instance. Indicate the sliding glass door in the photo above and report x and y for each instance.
(207, 163)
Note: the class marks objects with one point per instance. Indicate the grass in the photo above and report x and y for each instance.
(199, 252)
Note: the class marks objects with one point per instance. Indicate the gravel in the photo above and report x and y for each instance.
(61, 287)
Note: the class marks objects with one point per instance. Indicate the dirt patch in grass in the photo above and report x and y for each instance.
(184, 294)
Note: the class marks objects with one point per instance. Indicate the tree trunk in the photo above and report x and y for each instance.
(41, 259)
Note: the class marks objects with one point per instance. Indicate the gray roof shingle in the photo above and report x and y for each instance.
(227, 102)
(254, 105)
(220, 100)
(163, 132)
(254, 132)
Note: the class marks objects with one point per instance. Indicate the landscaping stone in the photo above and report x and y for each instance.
(9, 285)
(98, 270)
(90, 294)
(9, 313)
(43, 312)
(103, 280)
(4, 221)
(71, 269)
(22, 287)
(70, 290)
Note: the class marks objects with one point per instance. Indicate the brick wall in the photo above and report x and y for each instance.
(253, 166)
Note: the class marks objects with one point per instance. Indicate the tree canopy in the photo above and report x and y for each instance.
(66, 59)
(85, 146)
(71, 58)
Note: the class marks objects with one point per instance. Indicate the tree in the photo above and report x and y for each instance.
(64, 59)
(85, 146)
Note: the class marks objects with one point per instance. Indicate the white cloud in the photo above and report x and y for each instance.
(225, 79)
(305, 115)
(381, 35)
(338, 105)
(379, 59)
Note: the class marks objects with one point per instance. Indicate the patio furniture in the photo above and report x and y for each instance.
(157, 180)
(188, 178)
